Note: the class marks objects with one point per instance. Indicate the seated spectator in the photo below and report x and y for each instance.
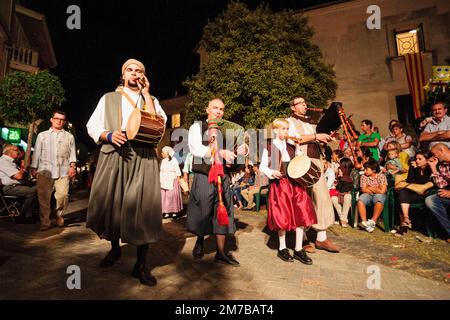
(19, 161)
(402, 156)
(261, 180)
(330, 177)
(12, 177)
(348, 154)
(393, 165)
(439, 204)
(373, 191)
(247, 180)
(369, 138)
(336, 156)
(438, 128)
(391, 136)
(405, 141)
(342, 200)
(418, 173)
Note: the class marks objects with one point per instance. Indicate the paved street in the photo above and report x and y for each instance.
(33, 266)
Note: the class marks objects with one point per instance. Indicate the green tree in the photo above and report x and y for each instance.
(27, 98)
(257, 61)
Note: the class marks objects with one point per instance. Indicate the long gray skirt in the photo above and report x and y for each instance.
(202, 207)
(125, 199)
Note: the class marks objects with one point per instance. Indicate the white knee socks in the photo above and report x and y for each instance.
(299, 238)
(282, 239)
(321, 235)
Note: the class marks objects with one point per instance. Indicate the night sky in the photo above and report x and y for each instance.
(160, 33)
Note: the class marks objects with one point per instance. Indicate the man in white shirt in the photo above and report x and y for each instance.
(54, 160)
(125, 199)
(11, 177)
(437, 129)
(299, 126)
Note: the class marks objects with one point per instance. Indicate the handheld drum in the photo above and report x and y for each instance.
(145, 127)
(303, 171)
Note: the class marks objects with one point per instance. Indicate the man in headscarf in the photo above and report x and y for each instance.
(125, 199)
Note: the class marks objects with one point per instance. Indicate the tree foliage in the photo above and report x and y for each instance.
(26, 97)
(257, 61)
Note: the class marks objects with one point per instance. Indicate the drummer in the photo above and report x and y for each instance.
(125, 199)
(300, 126)
(290, 207)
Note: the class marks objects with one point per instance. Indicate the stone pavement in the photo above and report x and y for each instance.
(33, 265)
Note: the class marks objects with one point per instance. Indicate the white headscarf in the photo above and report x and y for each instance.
(168, 150)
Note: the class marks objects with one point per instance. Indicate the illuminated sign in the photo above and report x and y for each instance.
(14, 135)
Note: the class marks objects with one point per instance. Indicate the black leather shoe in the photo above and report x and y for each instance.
(302, 257)
(144, 275)
(110, 259)
(198, 251)
(285, 255)
(226, 259)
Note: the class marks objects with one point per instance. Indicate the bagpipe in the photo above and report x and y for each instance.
(216, 130)
(333, 119)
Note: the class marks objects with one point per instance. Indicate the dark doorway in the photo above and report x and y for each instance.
(405, 112)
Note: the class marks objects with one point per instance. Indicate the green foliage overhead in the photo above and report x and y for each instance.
(257, 61)
(26, 97)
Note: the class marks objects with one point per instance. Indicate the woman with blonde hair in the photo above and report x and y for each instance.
(290, 207)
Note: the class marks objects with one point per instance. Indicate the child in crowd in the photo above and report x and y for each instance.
(342, 199)
(373, 191)
(290, 207)
(336, 156)
(393, 165)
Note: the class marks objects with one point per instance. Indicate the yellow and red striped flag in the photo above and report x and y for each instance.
(416, 80)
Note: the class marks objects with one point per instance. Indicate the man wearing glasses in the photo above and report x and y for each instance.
(53, 163)
(300, 127)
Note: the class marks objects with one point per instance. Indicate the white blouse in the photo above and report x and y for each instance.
(170, 170)
(264, 166)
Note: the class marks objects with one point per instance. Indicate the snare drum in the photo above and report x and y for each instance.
(302, 170)
(145, 127)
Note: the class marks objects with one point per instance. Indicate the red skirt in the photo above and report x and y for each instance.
(290, 206)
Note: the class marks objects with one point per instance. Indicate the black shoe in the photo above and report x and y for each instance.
(285, 255)
(198, 251)
(302, 257)
(226, 259)
(110, 259)
(144, 275)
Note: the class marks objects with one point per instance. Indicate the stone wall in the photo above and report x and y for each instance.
(368, 72)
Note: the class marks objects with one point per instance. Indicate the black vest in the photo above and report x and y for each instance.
(201, 165)
(274, 155)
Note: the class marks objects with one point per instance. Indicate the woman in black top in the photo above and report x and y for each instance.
(418, 173)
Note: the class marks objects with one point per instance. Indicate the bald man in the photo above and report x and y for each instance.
(125, 199)
(439, 204)
(203, 199)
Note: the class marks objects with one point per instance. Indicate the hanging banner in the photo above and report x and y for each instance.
(416, 80)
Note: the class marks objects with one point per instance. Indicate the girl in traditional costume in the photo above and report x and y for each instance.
(290, 207)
